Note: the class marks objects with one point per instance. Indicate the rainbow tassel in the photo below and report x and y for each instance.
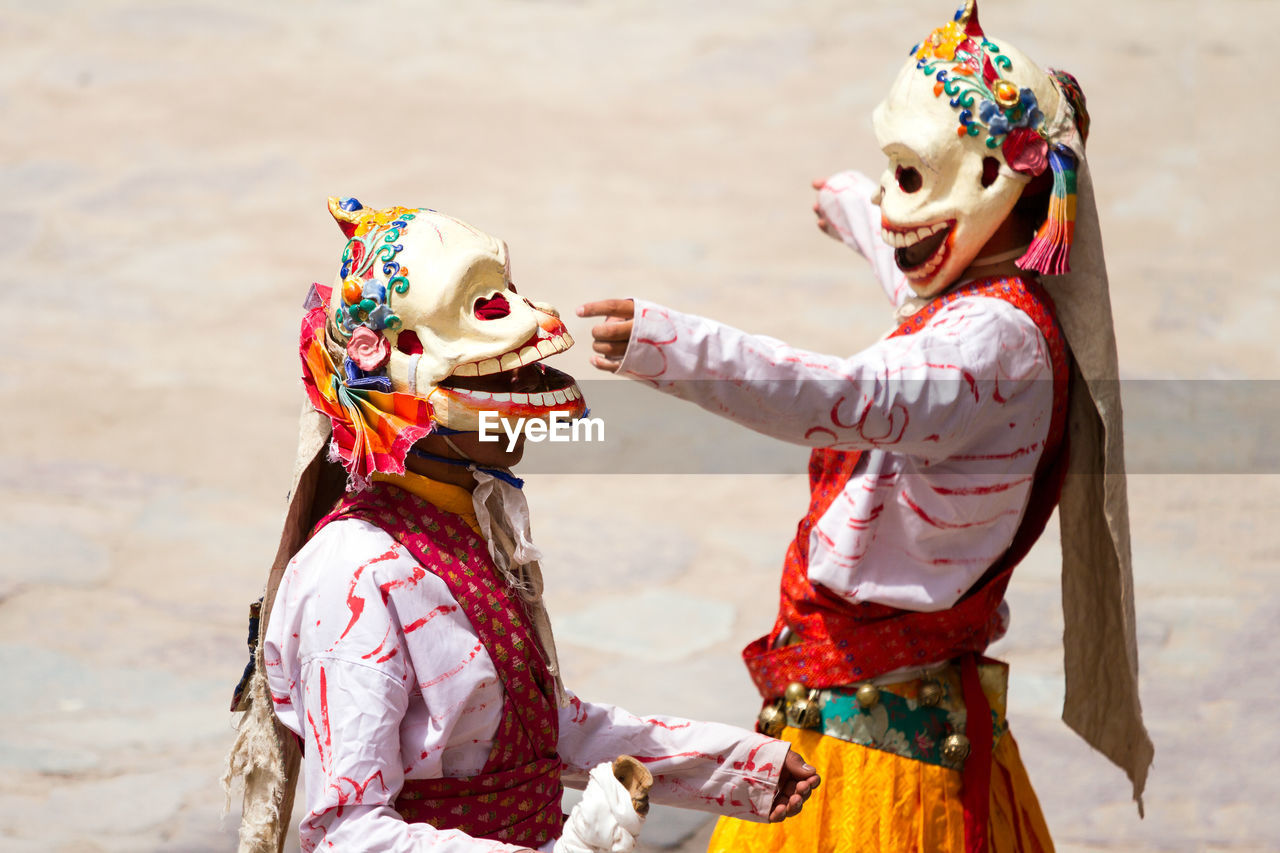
(1051, 247)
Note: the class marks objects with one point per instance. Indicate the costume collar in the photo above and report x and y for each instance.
(446, 496)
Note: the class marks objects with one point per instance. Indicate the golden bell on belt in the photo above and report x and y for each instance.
(772, 720)
(868, 695)
(805, 714)
(796, 691)
(930, 693)
(955, 748)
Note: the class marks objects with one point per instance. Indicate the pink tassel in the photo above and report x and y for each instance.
(1050, 250)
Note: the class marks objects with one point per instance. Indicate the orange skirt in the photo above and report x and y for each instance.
(871, 800)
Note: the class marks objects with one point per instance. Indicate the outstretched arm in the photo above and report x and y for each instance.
(696, 765)
(919, 394)
(847, 208)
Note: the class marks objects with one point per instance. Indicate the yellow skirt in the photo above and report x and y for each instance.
(871, 800)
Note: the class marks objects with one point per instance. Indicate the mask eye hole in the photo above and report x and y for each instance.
(494, 308)
(990, 171)
(909, 179)
(407, 342)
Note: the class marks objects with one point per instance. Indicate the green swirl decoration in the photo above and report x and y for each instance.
(380, 245)
(972, 90)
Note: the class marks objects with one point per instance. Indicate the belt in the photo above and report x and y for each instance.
(922, 718)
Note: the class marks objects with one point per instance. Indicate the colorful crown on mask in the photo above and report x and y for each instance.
(967, 69)
(967, 66)
(372, 238)
(362, 313)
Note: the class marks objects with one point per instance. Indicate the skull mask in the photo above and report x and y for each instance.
(424, 306)
(963, 128)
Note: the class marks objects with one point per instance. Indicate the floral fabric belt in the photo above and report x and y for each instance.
(922, 719)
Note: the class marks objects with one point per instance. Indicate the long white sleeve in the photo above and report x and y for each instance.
(845, 200)
(695, 765)
(929, 394)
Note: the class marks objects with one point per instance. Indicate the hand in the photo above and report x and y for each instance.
(824, 224)
(612, 335)
(795, 784)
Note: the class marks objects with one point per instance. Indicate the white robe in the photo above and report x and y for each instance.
(372, 662)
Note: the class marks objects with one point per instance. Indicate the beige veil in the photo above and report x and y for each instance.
(1100, 645)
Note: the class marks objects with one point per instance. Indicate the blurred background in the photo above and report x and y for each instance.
(164, 168)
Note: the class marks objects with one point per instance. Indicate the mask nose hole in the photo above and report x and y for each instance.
(493, 308)
(407, 342)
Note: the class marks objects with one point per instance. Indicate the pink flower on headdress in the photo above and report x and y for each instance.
(1026, 151)
(368, 349)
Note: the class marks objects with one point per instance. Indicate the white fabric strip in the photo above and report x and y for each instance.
(605, 820)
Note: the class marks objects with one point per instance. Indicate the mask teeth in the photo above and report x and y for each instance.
(413, 373)
(1051, 247)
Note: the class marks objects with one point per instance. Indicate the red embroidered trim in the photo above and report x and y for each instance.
(516, 797)
(839, 643)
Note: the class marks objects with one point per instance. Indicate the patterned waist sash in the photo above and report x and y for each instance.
(914, 718)
(519, 806)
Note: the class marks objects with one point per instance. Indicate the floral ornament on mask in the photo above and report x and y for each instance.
(363, 311)
(967, 69)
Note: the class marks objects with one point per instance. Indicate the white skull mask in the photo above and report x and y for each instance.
(434, 304)
(948, 186)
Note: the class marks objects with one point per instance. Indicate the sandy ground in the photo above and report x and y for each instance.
(164, 169)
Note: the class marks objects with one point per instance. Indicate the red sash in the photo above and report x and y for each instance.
(516, 796)
(836, 643)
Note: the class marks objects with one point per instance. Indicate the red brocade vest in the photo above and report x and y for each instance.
(834, 642)
(516, 796)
